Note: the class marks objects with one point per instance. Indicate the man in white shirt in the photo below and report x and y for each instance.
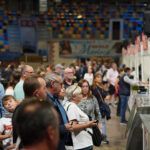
(111, 76)
(124, 92)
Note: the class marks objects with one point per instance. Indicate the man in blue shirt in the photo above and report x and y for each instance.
(54, 84)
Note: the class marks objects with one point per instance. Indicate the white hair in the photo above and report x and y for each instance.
(51, 76)
(73, 90)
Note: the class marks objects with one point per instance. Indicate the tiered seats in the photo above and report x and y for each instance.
(84, 20)
(3, 28)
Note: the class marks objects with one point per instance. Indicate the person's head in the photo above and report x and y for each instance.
(84, 84)
(27, 71)
(74, 93)
(59, 68)
(121, 71)
(41, 71)
(14, 78)
(123, 66)
(114, 66)
(88, 63)
(34, 85)
(9, 103)
(97, 80)
(54, 83)
(68, 73)
(37, 124)
(133, 68)
(127, 70)
(89, 69)
(73, 68)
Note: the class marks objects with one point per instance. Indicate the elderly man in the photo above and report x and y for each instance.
(111, 76)
(37, 125)
(54, 84)
(68, 73)
(18, 90)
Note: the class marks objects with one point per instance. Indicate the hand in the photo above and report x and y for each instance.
(11, 147)
(69, 127)
(92, 123)
(10, 133)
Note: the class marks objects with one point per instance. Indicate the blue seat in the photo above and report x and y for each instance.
(5, 42)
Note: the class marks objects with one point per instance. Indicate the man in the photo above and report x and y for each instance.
(37, 125)
(124, 92)
(54, 84)
(60, 69)
(111, 76)
(68, 81)
(34, 86)
(18, 90)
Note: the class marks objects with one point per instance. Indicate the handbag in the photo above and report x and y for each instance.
(96, 136)
(104, 107)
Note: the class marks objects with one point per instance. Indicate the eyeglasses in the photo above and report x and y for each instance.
(70, 72)
(30, 72)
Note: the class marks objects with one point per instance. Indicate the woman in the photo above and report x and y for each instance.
(121, 72)
(99, 92)
(14, 79)
(89, 76)
(89, 104)
(79, 120)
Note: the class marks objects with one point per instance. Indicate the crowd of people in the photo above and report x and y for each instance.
(55, 107)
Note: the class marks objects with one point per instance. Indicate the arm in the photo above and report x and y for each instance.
(79, 127)
(97, 110)
(108, 76)
(116, 85)
(129, 81)
(3, 137)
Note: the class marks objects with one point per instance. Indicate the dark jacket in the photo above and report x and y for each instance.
(104, 108)
(64, 135)
(124, 87)
(66, 85)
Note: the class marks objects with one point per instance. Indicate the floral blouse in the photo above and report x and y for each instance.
(90, 106)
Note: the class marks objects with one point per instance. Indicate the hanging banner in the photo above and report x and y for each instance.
(145, 42)
(86, 48)
(132, 51)
(138, 41)
(124, 51)
(128, 50)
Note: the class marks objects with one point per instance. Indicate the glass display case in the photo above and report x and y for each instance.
(145, 119)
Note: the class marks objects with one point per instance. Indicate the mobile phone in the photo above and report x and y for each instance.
(96, 121)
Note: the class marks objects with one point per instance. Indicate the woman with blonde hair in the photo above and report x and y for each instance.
(82, 140)
(99, 92)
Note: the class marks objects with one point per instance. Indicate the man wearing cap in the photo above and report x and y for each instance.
(60, 69)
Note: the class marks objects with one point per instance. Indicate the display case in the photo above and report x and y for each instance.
(134, 130)
(145, 119)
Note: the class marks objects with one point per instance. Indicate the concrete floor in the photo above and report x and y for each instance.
(115, 133)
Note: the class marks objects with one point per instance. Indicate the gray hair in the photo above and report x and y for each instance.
(51, 76)
(73, 90)
(113, 64)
